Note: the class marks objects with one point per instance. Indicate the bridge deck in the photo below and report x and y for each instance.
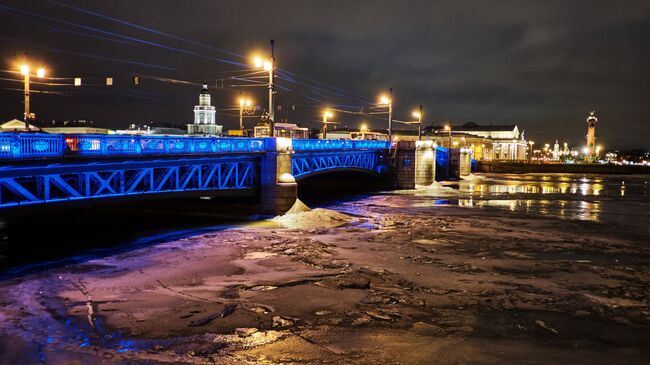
(22, 146)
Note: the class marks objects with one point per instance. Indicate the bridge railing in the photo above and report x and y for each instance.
(337, 144)
(37, 145)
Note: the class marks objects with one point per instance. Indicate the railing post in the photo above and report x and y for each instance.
(15, 146)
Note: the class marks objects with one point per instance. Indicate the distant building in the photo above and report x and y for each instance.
(16, 125)
(145, 129)
(288, 130)
(55, 127)
(487, 142)
(205, 116)
(353, 133)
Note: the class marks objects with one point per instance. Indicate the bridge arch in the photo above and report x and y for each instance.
(315, 163)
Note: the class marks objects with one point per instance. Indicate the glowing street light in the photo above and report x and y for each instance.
(244, 107)
(326, 115)
(388, 101)
(268, 65)
(25, 71)
(418, 116)
(448, 128)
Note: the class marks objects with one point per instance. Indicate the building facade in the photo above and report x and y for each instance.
(205, 116)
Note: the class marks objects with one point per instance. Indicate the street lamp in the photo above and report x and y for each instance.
(268, 65)
(24, 70)
(530, 150)
(244, 107)
(388, 101)
(418, 115)
(448, 128)
(326, 115)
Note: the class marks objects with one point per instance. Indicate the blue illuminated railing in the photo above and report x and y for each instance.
(39, 145)
(337, 144)
(36, 145)
(31, 145)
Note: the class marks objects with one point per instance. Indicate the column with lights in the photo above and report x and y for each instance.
(25, 71)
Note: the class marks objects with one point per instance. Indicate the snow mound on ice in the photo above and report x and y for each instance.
(301, 216)
(469, 177)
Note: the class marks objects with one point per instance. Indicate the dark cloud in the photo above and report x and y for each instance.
(541, 64)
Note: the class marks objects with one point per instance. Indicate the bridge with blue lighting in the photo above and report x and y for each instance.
(47, 168)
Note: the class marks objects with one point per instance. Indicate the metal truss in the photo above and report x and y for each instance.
(23, 185)
(304, 164)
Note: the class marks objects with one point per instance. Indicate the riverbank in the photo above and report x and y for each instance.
(387, 279)
(526, 168)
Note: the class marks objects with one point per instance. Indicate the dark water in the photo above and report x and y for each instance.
(616, 199)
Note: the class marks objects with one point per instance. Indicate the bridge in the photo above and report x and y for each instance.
(50, 168)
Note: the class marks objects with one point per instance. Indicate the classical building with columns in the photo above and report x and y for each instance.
(205, 116)
(487, 142)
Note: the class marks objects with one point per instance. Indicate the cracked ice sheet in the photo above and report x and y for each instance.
(406, 281)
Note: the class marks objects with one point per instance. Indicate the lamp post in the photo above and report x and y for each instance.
(530, 150)
(448, 128)
(326, 115)
(269, 65)
(244, 106)
(24, 70)
(418, 115)
(388, 101)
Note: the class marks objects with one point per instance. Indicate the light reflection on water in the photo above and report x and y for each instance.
(622, 199)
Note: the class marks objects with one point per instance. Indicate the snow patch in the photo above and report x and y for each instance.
(301, 216)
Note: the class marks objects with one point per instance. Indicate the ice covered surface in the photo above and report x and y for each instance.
(417, 283)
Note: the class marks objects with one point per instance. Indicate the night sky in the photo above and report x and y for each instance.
(540, 64)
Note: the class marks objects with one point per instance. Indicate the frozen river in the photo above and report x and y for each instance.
(498, 269)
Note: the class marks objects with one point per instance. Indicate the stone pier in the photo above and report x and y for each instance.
(425, 163)
(460, 162)
(279, 190)
(403, 165)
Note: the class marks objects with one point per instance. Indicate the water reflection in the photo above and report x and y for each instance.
(565, 209)
(554, 184)
(600, 198)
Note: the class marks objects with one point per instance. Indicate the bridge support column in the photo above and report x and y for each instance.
(279, 190)
(460, 162)
(403, 165)
(425, 163)
(465, 167)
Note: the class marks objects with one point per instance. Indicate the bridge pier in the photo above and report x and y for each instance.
(425, 163)
(403, 165)
(460, 162)
(278, 188)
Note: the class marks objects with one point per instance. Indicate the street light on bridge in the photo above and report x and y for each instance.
(418, 116)
(388, 101)
(269, 66)
(245, 106)
(25, 71)
(448, 128)
(326, 115)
